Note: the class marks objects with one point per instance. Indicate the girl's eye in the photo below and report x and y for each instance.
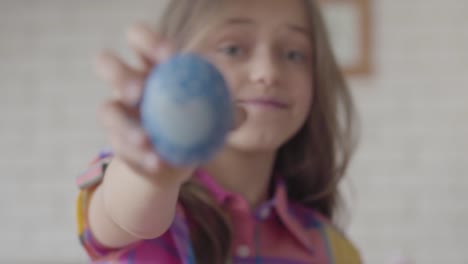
(232, 50)
(296, 56)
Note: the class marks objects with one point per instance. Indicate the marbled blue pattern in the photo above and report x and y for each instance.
(186, 109)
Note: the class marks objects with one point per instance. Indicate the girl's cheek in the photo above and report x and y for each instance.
(230, 72)
(232, 81)
(221, 65)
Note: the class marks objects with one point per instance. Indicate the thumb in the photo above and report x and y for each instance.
(240, 115)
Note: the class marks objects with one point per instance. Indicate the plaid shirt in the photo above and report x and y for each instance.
(278, 231)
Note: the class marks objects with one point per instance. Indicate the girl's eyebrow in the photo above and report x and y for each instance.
(247, 21)
(236, 21)
(299, 29)
(239, 20)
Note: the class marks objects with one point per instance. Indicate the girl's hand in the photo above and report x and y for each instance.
(125, 208)
(120, 116)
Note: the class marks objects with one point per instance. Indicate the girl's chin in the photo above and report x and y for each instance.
(255, 143)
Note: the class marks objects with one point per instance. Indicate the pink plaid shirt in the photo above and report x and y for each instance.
(278, 231)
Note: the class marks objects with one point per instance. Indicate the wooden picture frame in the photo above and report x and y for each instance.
(349, 27)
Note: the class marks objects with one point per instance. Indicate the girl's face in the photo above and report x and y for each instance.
(263, 48)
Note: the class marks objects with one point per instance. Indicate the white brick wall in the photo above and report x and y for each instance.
(410, 174)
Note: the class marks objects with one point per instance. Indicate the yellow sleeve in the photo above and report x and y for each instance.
(87, 182)
(341, 249)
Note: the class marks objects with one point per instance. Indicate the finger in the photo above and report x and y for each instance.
(140, 159)
(146, 162)
(144, 43)
(118, 120)
(150, 47)
(128, 139)
(127, 83)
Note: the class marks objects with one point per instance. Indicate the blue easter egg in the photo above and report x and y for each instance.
(186, 109)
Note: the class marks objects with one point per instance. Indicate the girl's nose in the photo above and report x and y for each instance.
(264, 69)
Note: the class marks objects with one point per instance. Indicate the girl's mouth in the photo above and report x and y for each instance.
(264, 103)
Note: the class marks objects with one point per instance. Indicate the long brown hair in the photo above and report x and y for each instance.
(312, 162)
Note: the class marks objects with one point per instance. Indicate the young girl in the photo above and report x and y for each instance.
(270, 194)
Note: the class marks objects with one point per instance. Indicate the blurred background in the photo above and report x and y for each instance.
(409, 176)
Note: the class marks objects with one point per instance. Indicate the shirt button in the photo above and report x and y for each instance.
(243, 251)
(265, 212)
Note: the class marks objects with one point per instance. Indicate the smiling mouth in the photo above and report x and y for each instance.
(264, 103)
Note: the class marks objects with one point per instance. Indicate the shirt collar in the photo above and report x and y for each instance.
(297, 219)
(294, 222)
(219, 193)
